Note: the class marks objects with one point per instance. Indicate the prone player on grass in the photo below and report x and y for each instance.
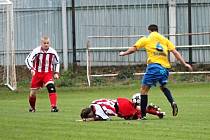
(103, 109)
(43, 62)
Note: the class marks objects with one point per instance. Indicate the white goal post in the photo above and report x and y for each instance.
(7, 50)
(94, 46)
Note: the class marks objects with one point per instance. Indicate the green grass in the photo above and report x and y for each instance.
(192, 122)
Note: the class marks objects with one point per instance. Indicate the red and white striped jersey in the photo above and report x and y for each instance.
(104, 108)
(43, 61)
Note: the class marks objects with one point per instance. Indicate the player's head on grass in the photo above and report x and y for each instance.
(87, 113)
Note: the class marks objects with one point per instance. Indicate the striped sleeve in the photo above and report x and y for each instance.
(56, 62)
(29, 60)
(100, 112)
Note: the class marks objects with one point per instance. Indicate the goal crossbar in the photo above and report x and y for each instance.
(5, 2)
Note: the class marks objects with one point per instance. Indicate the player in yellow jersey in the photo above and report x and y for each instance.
(157, 48)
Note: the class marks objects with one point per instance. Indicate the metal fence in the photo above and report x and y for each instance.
(102, 17)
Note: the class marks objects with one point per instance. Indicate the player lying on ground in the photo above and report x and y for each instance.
(102, 109)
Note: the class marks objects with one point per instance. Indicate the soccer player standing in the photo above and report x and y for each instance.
(157, 48)
(43, 62)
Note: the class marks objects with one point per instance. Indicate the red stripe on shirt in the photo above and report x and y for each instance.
(37, 62)
(43, 62)
(50, 62)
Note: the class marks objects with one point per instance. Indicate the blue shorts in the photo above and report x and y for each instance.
(155, 73)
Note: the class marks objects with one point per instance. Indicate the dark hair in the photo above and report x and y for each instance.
(85, 112)
(153, 28)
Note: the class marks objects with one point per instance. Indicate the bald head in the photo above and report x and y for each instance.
(45, 43)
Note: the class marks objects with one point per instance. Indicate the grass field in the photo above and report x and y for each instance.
(192, 122)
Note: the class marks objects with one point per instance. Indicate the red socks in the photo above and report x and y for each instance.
(52, 96)
(53, 99)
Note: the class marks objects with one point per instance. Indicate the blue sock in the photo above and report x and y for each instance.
(144, 100)
(168, 95)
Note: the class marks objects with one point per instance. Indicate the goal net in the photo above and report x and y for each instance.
(7, 51)
(103, 58)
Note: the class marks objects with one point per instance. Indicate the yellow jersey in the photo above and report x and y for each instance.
(157, 48)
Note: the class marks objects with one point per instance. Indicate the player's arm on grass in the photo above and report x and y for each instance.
(88, 119)
(96, 118)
